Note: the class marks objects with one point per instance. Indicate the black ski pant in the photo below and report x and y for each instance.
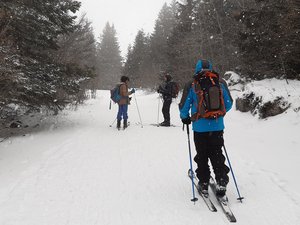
(209, 147)
(166, 109)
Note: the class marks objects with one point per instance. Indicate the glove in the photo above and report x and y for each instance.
(158, 91)
(186, 121)
(132, 91)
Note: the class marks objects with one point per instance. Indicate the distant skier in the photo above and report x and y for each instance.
(166, 90)
(208, 98)
(124, 102)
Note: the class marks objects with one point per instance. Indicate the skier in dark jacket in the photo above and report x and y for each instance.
(165, 90)
(208, 134)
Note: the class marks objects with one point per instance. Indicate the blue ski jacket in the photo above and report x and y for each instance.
(189, 103)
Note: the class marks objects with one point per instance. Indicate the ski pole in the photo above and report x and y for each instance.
(113, 122)
(110, 105)
(138, 110)
(158, 108)
(236, 186)
(194, 199)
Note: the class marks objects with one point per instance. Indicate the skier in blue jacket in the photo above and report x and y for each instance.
(208, 133)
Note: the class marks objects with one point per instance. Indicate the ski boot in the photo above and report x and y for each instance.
(118, 124)
(125, 124)
(203, 188)
(165, 124)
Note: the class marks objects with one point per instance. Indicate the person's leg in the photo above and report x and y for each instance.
(166, 111)
(119, 116)
(217, 159)
(201, 158)
(125, 116)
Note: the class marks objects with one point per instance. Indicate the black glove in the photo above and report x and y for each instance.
(186, 121)
(157, 90)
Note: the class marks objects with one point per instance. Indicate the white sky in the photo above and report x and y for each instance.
(128, 16)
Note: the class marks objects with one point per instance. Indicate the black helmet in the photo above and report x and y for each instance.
(124, 79)
(168, 77)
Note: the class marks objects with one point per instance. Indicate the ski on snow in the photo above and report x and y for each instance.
(223, 202)
(158, 125)
(206, 199)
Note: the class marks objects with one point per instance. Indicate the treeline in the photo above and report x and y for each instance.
(47, 57)
(257, 39)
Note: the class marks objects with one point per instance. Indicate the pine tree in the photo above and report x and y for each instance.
(109, 60)
(163, 29)
(269, 39)
(129, 66)
(78, 49)
(138, 63)
(290, 51)
(181, 45)
(29, 32)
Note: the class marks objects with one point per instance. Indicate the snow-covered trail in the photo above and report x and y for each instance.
(84, 172)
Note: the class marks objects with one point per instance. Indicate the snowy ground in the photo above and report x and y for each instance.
(81, 171)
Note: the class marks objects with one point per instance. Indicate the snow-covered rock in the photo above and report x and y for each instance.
(269, 97)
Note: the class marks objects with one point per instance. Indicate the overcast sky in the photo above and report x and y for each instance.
(128, 16)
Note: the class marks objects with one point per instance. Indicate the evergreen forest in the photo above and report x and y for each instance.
(50, 56)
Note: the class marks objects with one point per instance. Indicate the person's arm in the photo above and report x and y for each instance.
(186, 102)
(165, 89)
(161, 89)
(228, 101)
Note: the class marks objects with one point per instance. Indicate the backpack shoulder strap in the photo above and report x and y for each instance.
(216, 74)
(196, 86)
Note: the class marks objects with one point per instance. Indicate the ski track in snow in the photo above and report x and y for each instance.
(84, 172)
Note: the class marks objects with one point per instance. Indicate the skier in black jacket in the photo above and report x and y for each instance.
(166, 90)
